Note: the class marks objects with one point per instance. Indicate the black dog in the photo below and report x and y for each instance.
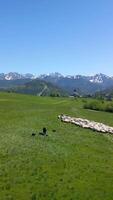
(54, 130)
(44, 132)
(33, 134)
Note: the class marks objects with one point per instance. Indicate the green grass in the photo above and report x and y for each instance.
(71, 163)
(99, 105)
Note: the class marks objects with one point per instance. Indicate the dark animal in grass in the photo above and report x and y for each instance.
(44, 133)
(41, 133)
(54, 130)
(44, 130)
(33, 134)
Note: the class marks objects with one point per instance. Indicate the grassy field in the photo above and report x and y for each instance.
(70, 164)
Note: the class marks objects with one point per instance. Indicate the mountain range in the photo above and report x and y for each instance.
(82, 84)
(37, 87)
(16, 76)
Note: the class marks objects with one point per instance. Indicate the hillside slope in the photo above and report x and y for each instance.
(71, 163)
(4, 84)
(108, 93)
(39, 88)
(84, 84)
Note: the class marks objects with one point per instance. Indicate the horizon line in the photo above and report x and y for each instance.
(50, 73)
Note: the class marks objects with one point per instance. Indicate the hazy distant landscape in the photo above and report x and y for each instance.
(56, 84)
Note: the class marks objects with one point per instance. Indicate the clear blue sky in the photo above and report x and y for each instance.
(66, 36)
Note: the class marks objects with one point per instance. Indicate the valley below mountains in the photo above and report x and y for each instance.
(55, 84)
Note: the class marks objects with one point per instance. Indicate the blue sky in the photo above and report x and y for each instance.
(66, 36)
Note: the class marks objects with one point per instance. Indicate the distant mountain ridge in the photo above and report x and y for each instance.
(35, 87)
(83, 84)
(97, 78)
(16, 76)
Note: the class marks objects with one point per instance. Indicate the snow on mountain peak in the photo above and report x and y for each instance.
(15, 76)
(98, 78)
(56, 74)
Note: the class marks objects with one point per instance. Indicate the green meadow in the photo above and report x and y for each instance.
(69, 164)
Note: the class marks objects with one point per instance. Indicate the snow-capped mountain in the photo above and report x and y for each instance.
(85, 84)
(16, 76)
(99, 78)
(52, 75)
